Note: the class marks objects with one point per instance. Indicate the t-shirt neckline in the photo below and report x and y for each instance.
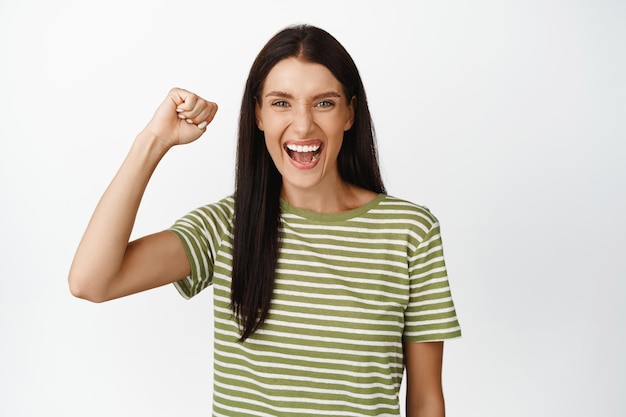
(331, 217)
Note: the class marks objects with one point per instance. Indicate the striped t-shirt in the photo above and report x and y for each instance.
(350, 288)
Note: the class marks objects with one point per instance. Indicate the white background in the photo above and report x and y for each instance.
(505, 118)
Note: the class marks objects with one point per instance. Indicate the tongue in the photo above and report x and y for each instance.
(303, 157)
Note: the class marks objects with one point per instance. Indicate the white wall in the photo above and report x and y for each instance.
(506, 118)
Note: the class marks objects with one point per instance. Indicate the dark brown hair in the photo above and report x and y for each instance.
(258, 182)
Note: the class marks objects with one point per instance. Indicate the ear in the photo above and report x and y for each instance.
(257, 114)
(350, 119)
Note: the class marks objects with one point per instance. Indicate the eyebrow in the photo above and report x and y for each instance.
(282, 94)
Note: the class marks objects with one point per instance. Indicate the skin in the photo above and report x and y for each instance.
(424, 392)
(106, 265)
(301, 103)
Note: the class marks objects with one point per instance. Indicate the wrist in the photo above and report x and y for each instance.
(151, 144)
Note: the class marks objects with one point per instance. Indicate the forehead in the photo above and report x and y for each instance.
(300, 78)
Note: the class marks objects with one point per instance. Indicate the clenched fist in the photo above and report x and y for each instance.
(181, 118)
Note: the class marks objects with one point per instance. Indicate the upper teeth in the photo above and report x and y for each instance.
(301, 148)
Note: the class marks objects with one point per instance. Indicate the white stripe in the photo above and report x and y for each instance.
(430, 312)
(342, 238)
(287, 242)
(349, 298)
(343, 274)
(349, 259)
(443, 300)
(433, 291)
(336, 308)
(348, 280)
(343, 229)
(334, 329)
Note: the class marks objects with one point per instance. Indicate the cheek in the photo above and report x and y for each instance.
(274, 147)
(274, 125)
(273, 133)
(335, 131)
(270, 142)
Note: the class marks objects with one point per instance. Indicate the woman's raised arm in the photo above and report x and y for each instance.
(106, 265)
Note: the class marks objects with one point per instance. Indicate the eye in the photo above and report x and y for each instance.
(280, 103)
(325, 103)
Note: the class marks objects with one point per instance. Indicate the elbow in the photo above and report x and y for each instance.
(83, 289)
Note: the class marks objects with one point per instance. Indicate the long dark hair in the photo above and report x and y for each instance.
(258, 182)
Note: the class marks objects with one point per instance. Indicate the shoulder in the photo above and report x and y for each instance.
(400, 209)
(423, 229)
(216, 213)
(227, 205)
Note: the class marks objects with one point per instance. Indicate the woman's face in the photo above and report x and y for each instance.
(303, 113)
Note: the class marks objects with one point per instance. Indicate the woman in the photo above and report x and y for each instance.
(325, 288)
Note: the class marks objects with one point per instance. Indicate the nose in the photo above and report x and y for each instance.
(302, 122)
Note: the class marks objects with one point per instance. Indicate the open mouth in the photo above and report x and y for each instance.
(303, 154)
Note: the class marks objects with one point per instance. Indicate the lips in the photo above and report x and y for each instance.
(303, 154)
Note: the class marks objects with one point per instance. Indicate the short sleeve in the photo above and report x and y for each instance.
(201, 232)
(430, 314)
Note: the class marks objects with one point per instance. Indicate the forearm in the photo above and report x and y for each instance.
(101, 251)
(433, 407)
